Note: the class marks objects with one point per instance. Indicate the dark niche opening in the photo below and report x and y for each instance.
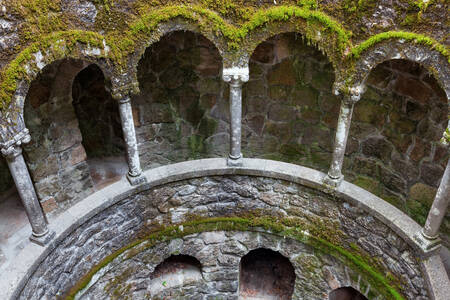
(346, 293)
(98, 114)
(266, 274)
(99, 122)
(175, 272)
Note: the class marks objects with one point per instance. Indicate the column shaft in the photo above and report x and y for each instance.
(129, 134)
(236, 119)
(340, 142)
(236, 77)
(27, 193)
(439, 207)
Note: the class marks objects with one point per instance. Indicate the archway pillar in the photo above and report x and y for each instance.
(134, 175)
(235, 77)
(12, 151)
(335, 176)
(428, 237)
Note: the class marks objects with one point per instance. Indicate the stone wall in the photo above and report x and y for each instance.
(220, 254)
(181, 203)
(289, 111)
(182, 111)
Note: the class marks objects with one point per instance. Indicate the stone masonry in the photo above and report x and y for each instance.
(217, 196)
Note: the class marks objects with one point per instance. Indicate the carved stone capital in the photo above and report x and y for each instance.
(353, 95)
(13, 147)
(235, 76)
(125, 91)
(445, 140)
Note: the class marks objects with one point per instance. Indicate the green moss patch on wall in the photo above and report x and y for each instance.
(53, 47)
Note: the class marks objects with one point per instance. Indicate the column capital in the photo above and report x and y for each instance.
(353, 95)
(235, 76)
(125, 91)
(12, 148)
(445, 140)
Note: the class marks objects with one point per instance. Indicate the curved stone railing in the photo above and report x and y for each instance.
(16, 274)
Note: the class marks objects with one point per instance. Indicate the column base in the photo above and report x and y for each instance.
(136, 180)
(44, 239)
(428, 245)
(333, 182)
(234, 161)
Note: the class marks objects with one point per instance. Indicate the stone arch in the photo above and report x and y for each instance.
(20, 73)
(175, 272)
(436, 63)
(326, 45)
(182, 100)
(164, 28)
(289, 109)
(265, 272)
(55, 156)
(346, 293)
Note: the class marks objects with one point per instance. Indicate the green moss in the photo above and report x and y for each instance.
(408, 36)
(44, 17)
(56, 46)
(287, 227)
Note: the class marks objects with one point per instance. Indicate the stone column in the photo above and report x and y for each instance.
(428, 238)
(41, 235)
(126, 116)
(235, 77)
(335, 176)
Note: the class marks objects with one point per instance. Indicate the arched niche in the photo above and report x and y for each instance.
(56, 157)
(181, 112)
(289, 110)
(175, 272)
(393, 148)
(266, 274)
(346, 293)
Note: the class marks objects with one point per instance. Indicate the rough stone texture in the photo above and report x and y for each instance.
(393, 148)
(289, 112)
(220, 261)
(221, 196)
(182, 112)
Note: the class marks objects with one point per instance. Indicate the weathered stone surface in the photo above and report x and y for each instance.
(219, 252)
(183, 105)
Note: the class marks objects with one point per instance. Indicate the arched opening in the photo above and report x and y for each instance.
(266, 274)
(393, 148)
(181, 113)
(56, 157)
(176, 271)
(346, 293)
(99, 122)
(289, 111)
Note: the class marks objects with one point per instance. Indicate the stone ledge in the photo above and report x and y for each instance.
(14, 277)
